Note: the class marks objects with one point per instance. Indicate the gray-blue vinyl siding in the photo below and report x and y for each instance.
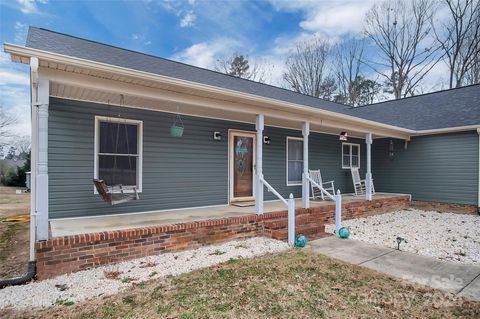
(441, 168)
(190, 171)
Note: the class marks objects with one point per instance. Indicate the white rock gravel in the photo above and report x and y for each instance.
(92, 283)
(446, 236)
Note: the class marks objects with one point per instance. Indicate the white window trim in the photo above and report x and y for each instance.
(350, 145)
(98, 119)
(286, 158)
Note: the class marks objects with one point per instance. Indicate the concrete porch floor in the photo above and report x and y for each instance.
(84, 225)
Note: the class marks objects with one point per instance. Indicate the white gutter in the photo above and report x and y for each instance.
(446, 130)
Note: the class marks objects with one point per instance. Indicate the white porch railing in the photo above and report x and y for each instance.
(290, 203)
(337, 198)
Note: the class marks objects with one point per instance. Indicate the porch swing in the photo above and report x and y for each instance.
(117, 193)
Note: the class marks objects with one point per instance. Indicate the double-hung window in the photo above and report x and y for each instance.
(294, 161)
(118, 151)
(350, 155)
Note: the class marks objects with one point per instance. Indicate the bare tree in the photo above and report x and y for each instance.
(241, 66)
(306, 65)
(473, 74)
(402, 34)
(459, 38)
(7, 120)
(354, 88)
(349, 56)
(22, 144)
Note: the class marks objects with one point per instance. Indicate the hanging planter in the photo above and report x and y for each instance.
(177, 128)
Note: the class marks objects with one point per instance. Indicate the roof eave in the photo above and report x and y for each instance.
(24, 53)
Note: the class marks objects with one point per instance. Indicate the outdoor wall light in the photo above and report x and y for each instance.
(266, 140)
(343, 136)
(217, 136)
(390, 149)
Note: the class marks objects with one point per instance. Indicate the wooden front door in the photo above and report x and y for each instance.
(242, 161)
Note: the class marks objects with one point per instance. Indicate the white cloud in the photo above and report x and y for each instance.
(140, 37)
(15, 93)
(205, 54)
(183, 10)
(326, 16)
(30, 6)
(188, 20)
(137, 36)
(21, 30)
(13, 77)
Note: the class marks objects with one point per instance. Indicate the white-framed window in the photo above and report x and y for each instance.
(119, 151)
(350, 155)
(294, 161)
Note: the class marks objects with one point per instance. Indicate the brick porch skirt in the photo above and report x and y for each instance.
(60, 255)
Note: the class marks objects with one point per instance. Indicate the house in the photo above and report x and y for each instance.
(104, 112)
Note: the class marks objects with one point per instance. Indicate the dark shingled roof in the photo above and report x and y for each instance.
(442, 109)
(89, 50)
(450, 108)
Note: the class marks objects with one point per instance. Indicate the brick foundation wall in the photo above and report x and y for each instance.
(446, 207)
(62, 255)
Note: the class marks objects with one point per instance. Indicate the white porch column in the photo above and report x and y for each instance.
(305, 182)
(368, 177)
(259, 165)
(41, 188)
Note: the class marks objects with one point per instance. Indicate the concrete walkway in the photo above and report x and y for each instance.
(460, 279)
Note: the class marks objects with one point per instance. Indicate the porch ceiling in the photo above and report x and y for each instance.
(113, 98)
(168, 98)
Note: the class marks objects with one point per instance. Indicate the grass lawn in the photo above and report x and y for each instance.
(14, 237)
(295, 284)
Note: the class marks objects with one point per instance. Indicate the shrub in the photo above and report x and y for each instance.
(17, 176)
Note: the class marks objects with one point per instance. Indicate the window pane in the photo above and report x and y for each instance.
(118, 170)
(295, 170)
(354, 160)
(346, 149)
(295, 150)
(354, 149)
(346, 161)
(118, 138)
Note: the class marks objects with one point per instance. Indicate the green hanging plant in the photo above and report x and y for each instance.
(177, 128)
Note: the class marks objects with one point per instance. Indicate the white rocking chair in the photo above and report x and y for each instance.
(317, 177)
(360, 185)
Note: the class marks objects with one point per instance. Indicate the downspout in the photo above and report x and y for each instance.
(32, 264)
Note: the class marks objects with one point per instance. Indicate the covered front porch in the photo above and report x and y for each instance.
(96, 224)
(69, 107)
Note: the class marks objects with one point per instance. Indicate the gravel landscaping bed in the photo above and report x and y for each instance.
(446, 236)
(111, 279)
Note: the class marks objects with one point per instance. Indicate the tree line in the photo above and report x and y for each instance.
(402, 41)
(14, 151)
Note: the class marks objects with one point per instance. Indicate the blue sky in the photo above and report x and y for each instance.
(196, 32)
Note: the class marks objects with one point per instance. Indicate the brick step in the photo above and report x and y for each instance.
(280, 223)
(311, 231)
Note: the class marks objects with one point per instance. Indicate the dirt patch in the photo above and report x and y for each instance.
(14, 237)
(295, 284)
